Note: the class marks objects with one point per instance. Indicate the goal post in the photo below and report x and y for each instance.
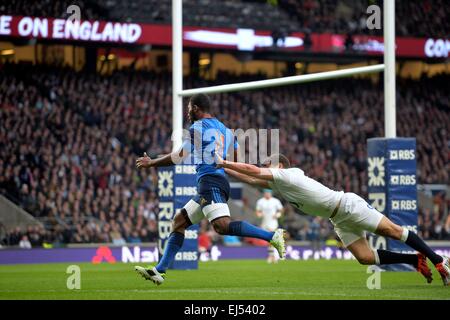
(388, 67)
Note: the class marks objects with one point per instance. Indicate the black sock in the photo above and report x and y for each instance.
(389, 257)
(419, 245)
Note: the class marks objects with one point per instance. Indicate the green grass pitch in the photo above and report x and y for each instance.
(225, 280)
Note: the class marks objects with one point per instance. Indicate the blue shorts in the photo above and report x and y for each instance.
(212, 189)
(213, 192)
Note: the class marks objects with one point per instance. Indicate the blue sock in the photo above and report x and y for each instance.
(174, 244)
(245, 229)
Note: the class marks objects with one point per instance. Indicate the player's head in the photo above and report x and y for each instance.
(199, 104)
(277, 160)
(267, 193)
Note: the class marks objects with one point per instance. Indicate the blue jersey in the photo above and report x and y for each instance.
(207, 137)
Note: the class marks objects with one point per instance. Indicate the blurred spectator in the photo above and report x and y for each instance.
(307, 41)
(204, 242)
(231, 241)
(15, 237)
(314, 234)
(447, 227)
(25, 243)
(134, 238)
(349, 42)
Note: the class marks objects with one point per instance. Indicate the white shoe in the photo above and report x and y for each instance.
(279, 243)
(444, 270)
(151, 274)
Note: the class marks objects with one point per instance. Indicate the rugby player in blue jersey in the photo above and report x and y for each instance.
(207, 137)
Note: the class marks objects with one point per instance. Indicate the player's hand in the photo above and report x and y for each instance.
(219, 160)
(144, 162)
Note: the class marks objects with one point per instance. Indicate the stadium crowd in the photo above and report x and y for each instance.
(418, 18)
(57, 164)
(68, 143)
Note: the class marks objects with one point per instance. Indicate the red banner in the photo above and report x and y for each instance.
(220, 38)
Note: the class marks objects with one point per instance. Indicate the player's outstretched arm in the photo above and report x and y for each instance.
(247, 179)
(244, 168)
(163, 161)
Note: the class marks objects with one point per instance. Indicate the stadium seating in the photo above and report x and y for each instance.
(419, 18)
(68, 157)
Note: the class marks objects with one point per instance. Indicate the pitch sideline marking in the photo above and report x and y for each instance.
(241, 292)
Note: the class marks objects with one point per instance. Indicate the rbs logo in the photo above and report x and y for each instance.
(376, 171)
(404, 205)
(405, 180)
(187, 256)
(402, 154)
(165, 184)
(185, 191)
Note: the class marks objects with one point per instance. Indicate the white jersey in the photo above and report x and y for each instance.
(269, 208)
(304, 193)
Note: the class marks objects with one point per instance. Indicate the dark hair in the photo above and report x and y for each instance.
(202, 101)
(278, 158)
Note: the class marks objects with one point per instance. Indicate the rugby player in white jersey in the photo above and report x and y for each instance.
(270, 210)
(351, 215)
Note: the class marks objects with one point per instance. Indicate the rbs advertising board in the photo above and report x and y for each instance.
(176, 186)
(392, 187)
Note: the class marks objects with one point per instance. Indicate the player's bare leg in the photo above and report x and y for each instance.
(366, 256)
(360, 249)
(389, 229)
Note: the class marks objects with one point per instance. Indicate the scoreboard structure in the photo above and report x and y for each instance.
(392, 189)
(176, 186)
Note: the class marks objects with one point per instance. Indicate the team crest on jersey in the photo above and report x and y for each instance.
(203, 201)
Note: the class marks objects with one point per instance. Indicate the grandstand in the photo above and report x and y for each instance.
(59, 142)
(76, 114)
(424, 19)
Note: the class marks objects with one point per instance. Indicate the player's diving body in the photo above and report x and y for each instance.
(351, 215)
(269, 209)
(207, 137)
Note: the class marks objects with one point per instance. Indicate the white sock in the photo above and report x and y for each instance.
(405, 234)
(377, 258)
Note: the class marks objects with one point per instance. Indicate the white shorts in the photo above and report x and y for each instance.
(354, 217)
(211, 211)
